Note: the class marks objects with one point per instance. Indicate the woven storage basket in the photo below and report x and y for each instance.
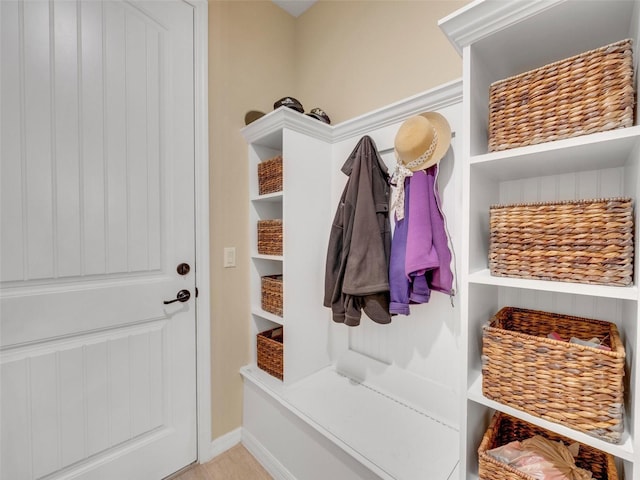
(504, 429)
(271, 293)
(566, 383)
(584, 241)
(270, 351)
(270, 175)
(270, 237)
(588, 93)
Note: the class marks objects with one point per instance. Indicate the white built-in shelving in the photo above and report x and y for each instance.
(302, 205)
(497, 40)
(384, 395)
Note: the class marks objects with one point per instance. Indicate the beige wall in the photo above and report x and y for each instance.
(347, 57)
(250, 65)
(356, 56)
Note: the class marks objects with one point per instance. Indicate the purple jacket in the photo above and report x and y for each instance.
(398, 281)
(420, 257)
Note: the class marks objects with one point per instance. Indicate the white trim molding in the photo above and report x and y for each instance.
(270, 463)
(434, 99)
(284, 117)
(481, 18)
(203, 306)
(445, 95)
(224, 443)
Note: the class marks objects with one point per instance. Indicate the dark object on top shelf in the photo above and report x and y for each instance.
(320, 114)
(289, 102)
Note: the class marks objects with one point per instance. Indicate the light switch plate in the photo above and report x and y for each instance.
(229, 259)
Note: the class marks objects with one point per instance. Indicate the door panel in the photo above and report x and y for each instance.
(90, 155)
(86, 394)
(96, 211)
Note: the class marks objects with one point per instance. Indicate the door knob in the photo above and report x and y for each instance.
(182, 296)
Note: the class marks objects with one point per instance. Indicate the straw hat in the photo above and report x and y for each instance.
(422, 141)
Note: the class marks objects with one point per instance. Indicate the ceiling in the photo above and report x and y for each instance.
(294, 7)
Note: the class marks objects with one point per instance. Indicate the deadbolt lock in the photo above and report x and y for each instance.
(183, 269)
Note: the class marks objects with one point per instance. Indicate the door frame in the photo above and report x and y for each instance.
(201, 185)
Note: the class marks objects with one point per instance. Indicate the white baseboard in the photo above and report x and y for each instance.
(223, 443)
(265, 458)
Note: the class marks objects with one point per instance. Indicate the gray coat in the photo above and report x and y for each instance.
(357, 269)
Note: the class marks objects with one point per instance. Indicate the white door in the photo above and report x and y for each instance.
(97, 374)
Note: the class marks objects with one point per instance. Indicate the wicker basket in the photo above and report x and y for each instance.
(566, 383)
(584, 241)
(504, 429)
(270, 351)
(270, 175)
(588, 93)
(271, 293)
(270, 237)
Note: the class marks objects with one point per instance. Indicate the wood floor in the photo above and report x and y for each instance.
(234, 464)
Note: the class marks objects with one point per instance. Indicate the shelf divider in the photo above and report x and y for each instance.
(484, 277)
(259, 312)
